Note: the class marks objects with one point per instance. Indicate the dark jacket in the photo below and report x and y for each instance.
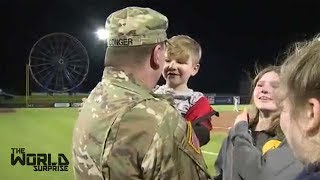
(240, 159)
(310, 172)
(223, 165)
(202, 133)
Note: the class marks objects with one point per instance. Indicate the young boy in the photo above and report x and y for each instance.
(182, 62)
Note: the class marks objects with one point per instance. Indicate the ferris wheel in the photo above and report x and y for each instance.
(58, 62)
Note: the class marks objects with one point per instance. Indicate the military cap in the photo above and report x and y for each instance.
(135, 26)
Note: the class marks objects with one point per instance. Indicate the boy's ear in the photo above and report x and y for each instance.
(195, 69)
(312, 126)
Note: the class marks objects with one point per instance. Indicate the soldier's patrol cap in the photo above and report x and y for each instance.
(135, 26)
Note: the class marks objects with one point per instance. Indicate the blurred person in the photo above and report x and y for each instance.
(300, 115)
(236, 102)
(183, 62)
(124, 131)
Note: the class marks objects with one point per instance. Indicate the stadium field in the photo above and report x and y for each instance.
(49, 130)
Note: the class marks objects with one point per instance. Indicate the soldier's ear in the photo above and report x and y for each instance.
(157, 56)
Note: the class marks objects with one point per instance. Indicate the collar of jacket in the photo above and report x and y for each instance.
(119, 78)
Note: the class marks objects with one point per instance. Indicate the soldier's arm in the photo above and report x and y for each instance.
(171, 155)
(160, 160)
(144, 146)
(127, 143)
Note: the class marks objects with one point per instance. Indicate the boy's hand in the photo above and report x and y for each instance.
(243, 116)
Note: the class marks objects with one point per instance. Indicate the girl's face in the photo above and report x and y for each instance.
(264, 92)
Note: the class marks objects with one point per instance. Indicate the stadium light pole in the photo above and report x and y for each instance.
(27, 85)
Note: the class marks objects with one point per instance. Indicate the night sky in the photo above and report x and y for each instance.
(233, 35)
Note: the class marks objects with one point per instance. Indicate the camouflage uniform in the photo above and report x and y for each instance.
(124, 131)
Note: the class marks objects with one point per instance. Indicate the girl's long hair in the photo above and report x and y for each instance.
(274, 128)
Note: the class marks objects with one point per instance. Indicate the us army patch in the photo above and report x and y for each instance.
(192, 139)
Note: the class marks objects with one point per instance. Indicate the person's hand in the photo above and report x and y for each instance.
(243, 116)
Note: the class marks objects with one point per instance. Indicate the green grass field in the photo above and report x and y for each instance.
(221, 108)
(43, 99)
(38, 131)
(49, 130)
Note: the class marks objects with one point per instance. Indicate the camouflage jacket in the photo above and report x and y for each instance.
(125, 132)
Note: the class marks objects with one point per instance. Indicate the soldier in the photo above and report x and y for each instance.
(124, 131)
(256, 147)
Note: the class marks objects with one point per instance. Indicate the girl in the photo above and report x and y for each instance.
(247, 151)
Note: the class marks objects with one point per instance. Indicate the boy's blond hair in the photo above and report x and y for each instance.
(183, 47)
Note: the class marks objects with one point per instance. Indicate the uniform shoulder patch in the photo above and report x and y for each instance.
(192, 139)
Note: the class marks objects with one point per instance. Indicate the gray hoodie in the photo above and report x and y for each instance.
(239, 159)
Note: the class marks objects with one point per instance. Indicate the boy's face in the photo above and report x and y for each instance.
(178, 71)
